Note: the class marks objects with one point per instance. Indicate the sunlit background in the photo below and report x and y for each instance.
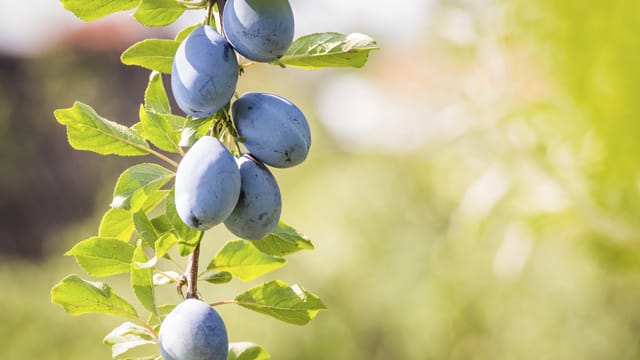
(472, 193)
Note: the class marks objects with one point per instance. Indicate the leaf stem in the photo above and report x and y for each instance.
(176, 280)
(161, 156)
(224, 302)
(147, 326)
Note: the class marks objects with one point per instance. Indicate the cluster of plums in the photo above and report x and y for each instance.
(211, 185)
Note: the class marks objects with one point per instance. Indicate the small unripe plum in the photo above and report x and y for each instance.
(193, 331)
(276, 132)
(260, 30)
(204, 73)
(258, 209)
(207, 184)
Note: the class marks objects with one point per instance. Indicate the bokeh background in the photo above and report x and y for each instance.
(472, 193)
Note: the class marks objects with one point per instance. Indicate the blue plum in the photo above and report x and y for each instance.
(260, 30)
(193, 331)
(258, 209)
(204, 73)
(276, 132)
(207, 184)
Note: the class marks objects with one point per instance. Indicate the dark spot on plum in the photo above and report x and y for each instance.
(227, 50)
(194, 220)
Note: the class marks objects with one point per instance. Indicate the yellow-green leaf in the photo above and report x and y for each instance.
(243, 260)
(247, 351)
(331, 49)
(78, 296)
(142, 279)
(86, 130)
(102, 256)
(137, 184)
(126, 337)
(155, 95)
(152, 54)
(283, 240)
(290, 304)
(89, 10)
(158, 12)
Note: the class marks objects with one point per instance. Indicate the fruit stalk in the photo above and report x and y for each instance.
(220, 9)
(192, 273)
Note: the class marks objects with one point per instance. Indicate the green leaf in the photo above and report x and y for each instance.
(244, 261)
(86, 130)
(163, 130)
(155, 319)
(155, 95)
(89, 10)
(78, 296)
(126, 337)
(165, 242)
(188, 238)
(152, 54)
(218, 278)
(290, 304)
(158, 12)
(116, 223)
(137, 185)
(322, 50)
(185, 32)
(100, 256)
(144, 228)
(161, 224)
(283, 240)
(155, 199)
(194, 129)
(142, 279)
(247, 351)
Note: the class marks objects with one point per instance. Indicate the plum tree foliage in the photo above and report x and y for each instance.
(216, 151)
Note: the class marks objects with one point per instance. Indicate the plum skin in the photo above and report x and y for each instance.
(207, 184)
(193, 330)
(260, 30)
(204, 73)
(275, 130)
(259, 206)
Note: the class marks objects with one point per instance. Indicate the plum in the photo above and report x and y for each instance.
(193, 330)
(207, 184)
(276, 132)
(260, 30)
(204, 73)
(258, 209)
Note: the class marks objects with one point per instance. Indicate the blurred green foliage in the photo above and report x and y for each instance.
(517, 239)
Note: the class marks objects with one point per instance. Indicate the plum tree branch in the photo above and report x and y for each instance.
(192, 272)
